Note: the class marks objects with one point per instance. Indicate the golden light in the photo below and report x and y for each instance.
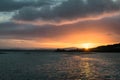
(87, 45)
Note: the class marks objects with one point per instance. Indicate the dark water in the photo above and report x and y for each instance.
(59, 66)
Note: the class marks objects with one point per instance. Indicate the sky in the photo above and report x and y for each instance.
(58, 23)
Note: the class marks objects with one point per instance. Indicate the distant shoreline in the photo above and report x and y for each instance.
(107, 48)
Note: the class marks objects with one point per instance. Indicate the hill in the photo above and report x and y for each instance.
(107, 48)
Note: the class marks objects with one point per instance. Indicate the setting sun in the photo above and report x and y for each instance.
(87, 45)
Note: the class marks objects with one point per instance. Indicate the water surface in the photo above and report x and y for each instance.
(59, 66)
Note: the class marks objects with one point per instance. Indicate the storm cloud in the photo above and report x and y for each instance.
(68, 10)
(10, 5)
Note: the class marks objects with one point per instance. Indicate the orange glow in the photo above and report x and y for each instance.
(90, 36)
(87, 45)
(82, 39)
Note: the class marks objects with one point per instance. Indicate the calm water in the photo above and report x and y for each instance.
(59, 66)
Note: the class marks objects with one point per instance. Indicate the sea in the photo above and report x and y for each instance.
(59, 66)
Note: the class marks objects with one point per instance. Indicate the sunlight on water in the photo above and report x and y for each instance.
(59, 66)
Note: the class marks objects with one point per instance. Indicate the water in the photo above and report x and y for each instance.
(59, 66)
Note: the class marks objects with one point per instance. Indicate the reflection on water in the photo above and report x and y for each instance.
(58, 66)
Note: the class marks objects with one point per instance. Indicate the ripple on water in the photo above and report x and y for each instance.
(99, 66)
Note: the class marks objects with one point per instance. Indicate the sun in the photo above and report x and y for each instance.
(87, 45)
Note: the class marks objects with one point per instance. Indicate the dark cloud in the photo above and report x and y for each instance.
(112, 24)
(10, 5)
(68, 10)
(22, 31)
(17, 31)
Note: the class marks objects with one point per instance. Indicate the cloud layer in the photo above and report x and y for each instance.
(59, 21)
(10, 5)
(68, 10)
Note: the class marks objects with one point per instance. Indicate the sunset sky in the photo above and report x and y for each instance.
(59, 23)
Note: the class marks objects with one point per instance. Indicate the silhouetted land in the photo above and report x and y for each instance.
(69, 50)
(107, 48)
